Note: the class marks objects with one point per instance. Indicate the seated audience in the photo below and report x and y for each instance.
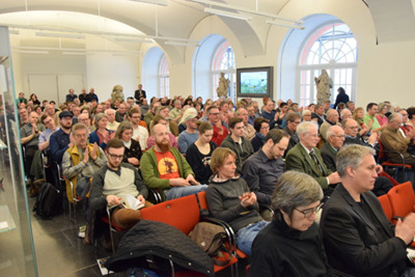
(81, 160)
(44, 137)
(261, 126)
(101, 135)
(60, 140)
(292, 244)
(395, 143)
(269, 113)
(114, 181)
(188, 136)
(332, 119)
(305, 157)
(318, 115)
(165, 169)
(172, 126)
(112, 123)
(249, 130)
(158, 119)
(132, 151)
(293, 119)
(370, 118)
(140, 131)
(198, 154)
(238, 143)
(262, 170)
(220, 132)
(121, 113)
(335, 139)
(352, 136)
(358, 238)
(230, 199)
(306, 115)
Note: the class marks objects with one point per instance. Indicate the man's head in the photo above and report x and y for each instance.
(236, 127)
(251, 110)
(319, 109)
(130, 102)
(134, 115)
(71, 91)
(404, 114)
(161, 137)
(80, 134)
(357, 168)
(84, 119)
(50, 110)
(306, 115)
(23, 114)
(388, 105)
(213, 114)
(115, 153)
(350, 105)
(140, 87)
(21, 95)
(242, 114)
(332, 116)
(190, 121)
(122, 108)
(100, 108)
(178, 104)
(65, 120)
(395, 121)
(345, 114)
(293, 119)
(163, 111)
(350, 127)
(276, 142)
(269, 106)
(308, 134)
(110, 115)
(326, 105)
(83, 91)
(335, 136)
(34, 117)
(91, 90)
(48, 122)
(372, 109)
(283, 107)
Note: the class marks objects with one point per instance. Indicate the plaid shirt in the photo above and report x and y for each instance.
(82, 169)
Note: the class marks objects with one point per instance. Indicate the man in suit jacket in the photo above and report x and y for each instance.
(335, 139)
(358, 238)
(139, 94)
(305, 157)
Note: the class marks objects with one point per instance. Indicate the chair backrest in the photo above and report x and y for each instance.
(393, 181)
(402, 199)
(386, 206)
(182, 213)
(201, 197)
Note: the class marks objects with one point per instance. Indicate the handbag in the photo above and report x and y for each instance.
(211, 238)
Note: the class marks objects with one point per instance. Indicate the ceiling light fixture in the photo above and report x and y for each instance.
(276, 23)
(228, 14)
(178, 43)
(43, 34)
(134, 40)
(154, 2)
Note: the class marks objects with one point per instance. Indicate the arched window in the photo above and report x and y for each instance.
(334, 48)
(164, 85)
(224, 61)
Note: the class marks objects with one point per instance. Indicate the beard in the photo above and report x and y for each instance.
(164, 145)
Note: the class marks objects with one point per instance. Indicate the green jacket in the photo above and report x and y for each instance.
(149, 171)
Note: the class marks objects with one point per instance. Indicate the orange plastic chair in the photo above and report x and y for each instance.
(402, 199)
(182, 213)
(386, 206)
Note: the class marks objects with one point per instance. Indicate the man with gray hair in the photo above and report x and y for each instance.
(177, 112)
(358, 238)
(345, 114)
(112, 123)
(305, 157)
(335, 140)
(249, 130)
(395, 144)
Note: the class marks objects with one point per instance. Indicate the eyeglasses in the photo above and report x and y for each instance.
(113, 156)
(339, 136)
(136, 117)
(309, 212)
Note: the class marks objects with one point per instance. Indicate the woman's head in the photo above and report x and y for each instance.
(382, 108)
(358, 113)
(101, 121)
(33, 97)
(222, 162)
(295, 196)
(205, 130)
(124, 131)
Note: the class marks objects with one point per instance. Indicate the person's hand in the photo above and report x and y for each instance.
(334, 178)
(248, 199)
(141, 199)
(34, 128)
(276, 116)
(191, 180)
(178, 182)
(374, 137)
(405, 229)
(133, 161)
(411, 133)
(379, 169)
(94, 151)
(86, 155)
(370, 123)
(111, 135)
(113, 200)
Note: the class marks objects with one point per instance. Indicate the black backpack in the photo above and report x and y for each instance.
(48, 202)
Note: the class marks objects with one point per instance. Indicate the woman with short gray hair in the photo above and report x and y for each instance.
(292, 244)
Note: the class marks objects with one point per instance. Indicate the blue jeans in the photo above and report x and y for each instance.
(245, 236)
(177, 192)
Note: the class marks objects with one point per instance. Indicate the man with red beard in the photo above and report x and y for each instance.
(164, 168)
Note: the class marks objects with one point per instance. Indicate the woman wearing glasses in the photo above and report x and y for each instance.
(292, 245)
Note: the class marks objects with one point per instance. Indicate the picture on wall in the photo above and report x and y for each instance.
(254, 81)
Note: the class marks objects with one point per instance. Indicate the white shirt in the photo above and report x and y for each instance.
(142, 134)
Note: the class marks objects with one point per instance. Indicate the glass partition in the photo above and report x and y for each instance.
(17, 254)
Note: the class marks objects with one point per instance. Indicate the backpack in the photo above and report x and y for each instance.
(49, 201)
(211, 238)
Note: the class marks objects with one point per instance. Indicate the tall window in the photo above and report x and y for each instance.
(334, 48)
(164, 85)
(224, 61)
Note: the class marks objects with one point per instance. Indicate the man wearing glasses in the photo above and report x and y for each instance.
(358, 238)
(351, 130)
(306, 158)
(115, 181)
